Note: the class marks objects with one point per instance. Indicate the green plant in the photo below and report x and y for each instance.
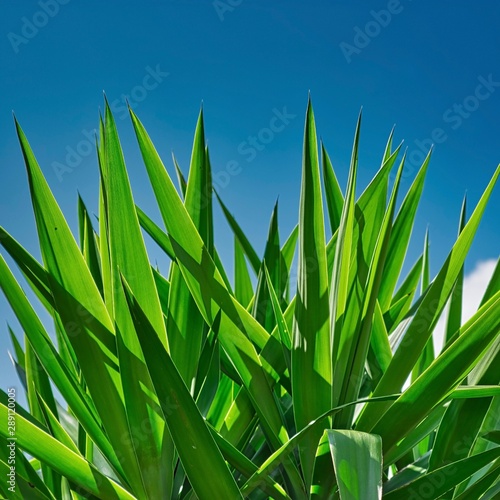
(188, 386)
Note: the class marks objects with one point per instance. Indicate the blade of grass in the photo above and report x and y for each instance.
(358, 349)
(311, 364)
(82, 310)
(482, 486)
(104, 251)
(333, 193)
(282, 326)
(20, 356)
(442, 480)
(32, 270)
(128, 257)
(262, 307)
(341, 267)
(180, 177)
(158, 236)
(28, 483)
(243, 290)
(393, 316)
(415, 436)
(251, 254)
(475, 391)
(23, 487)
(427, 314)
(443, 376)
(379, 341)
(409, 285)
(463, 419)
(247, 467)
(37, 382)
(357, 459)
(49, 450)
(52, 363)
(400, 236)
(427, 355)
(185, 324)
(206, 469)
(454, 319)
(89, 245)
(286, 338)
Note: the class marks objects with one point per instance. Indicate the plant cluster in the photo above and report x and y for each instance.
(190, 385)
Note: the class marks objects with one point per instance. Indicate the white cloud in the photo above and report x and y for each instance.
(475, 284)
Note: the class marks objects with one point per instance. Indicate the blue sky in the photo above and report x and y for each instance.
(430, 68)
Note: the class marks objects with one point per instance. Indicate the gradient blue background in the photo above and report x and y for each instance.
(244, 62)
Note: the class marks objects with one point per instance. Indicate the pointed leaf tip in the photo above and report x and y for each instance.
(107, 109)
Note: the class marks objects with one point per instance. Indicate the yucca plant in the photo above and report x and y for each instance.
(190, 385)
